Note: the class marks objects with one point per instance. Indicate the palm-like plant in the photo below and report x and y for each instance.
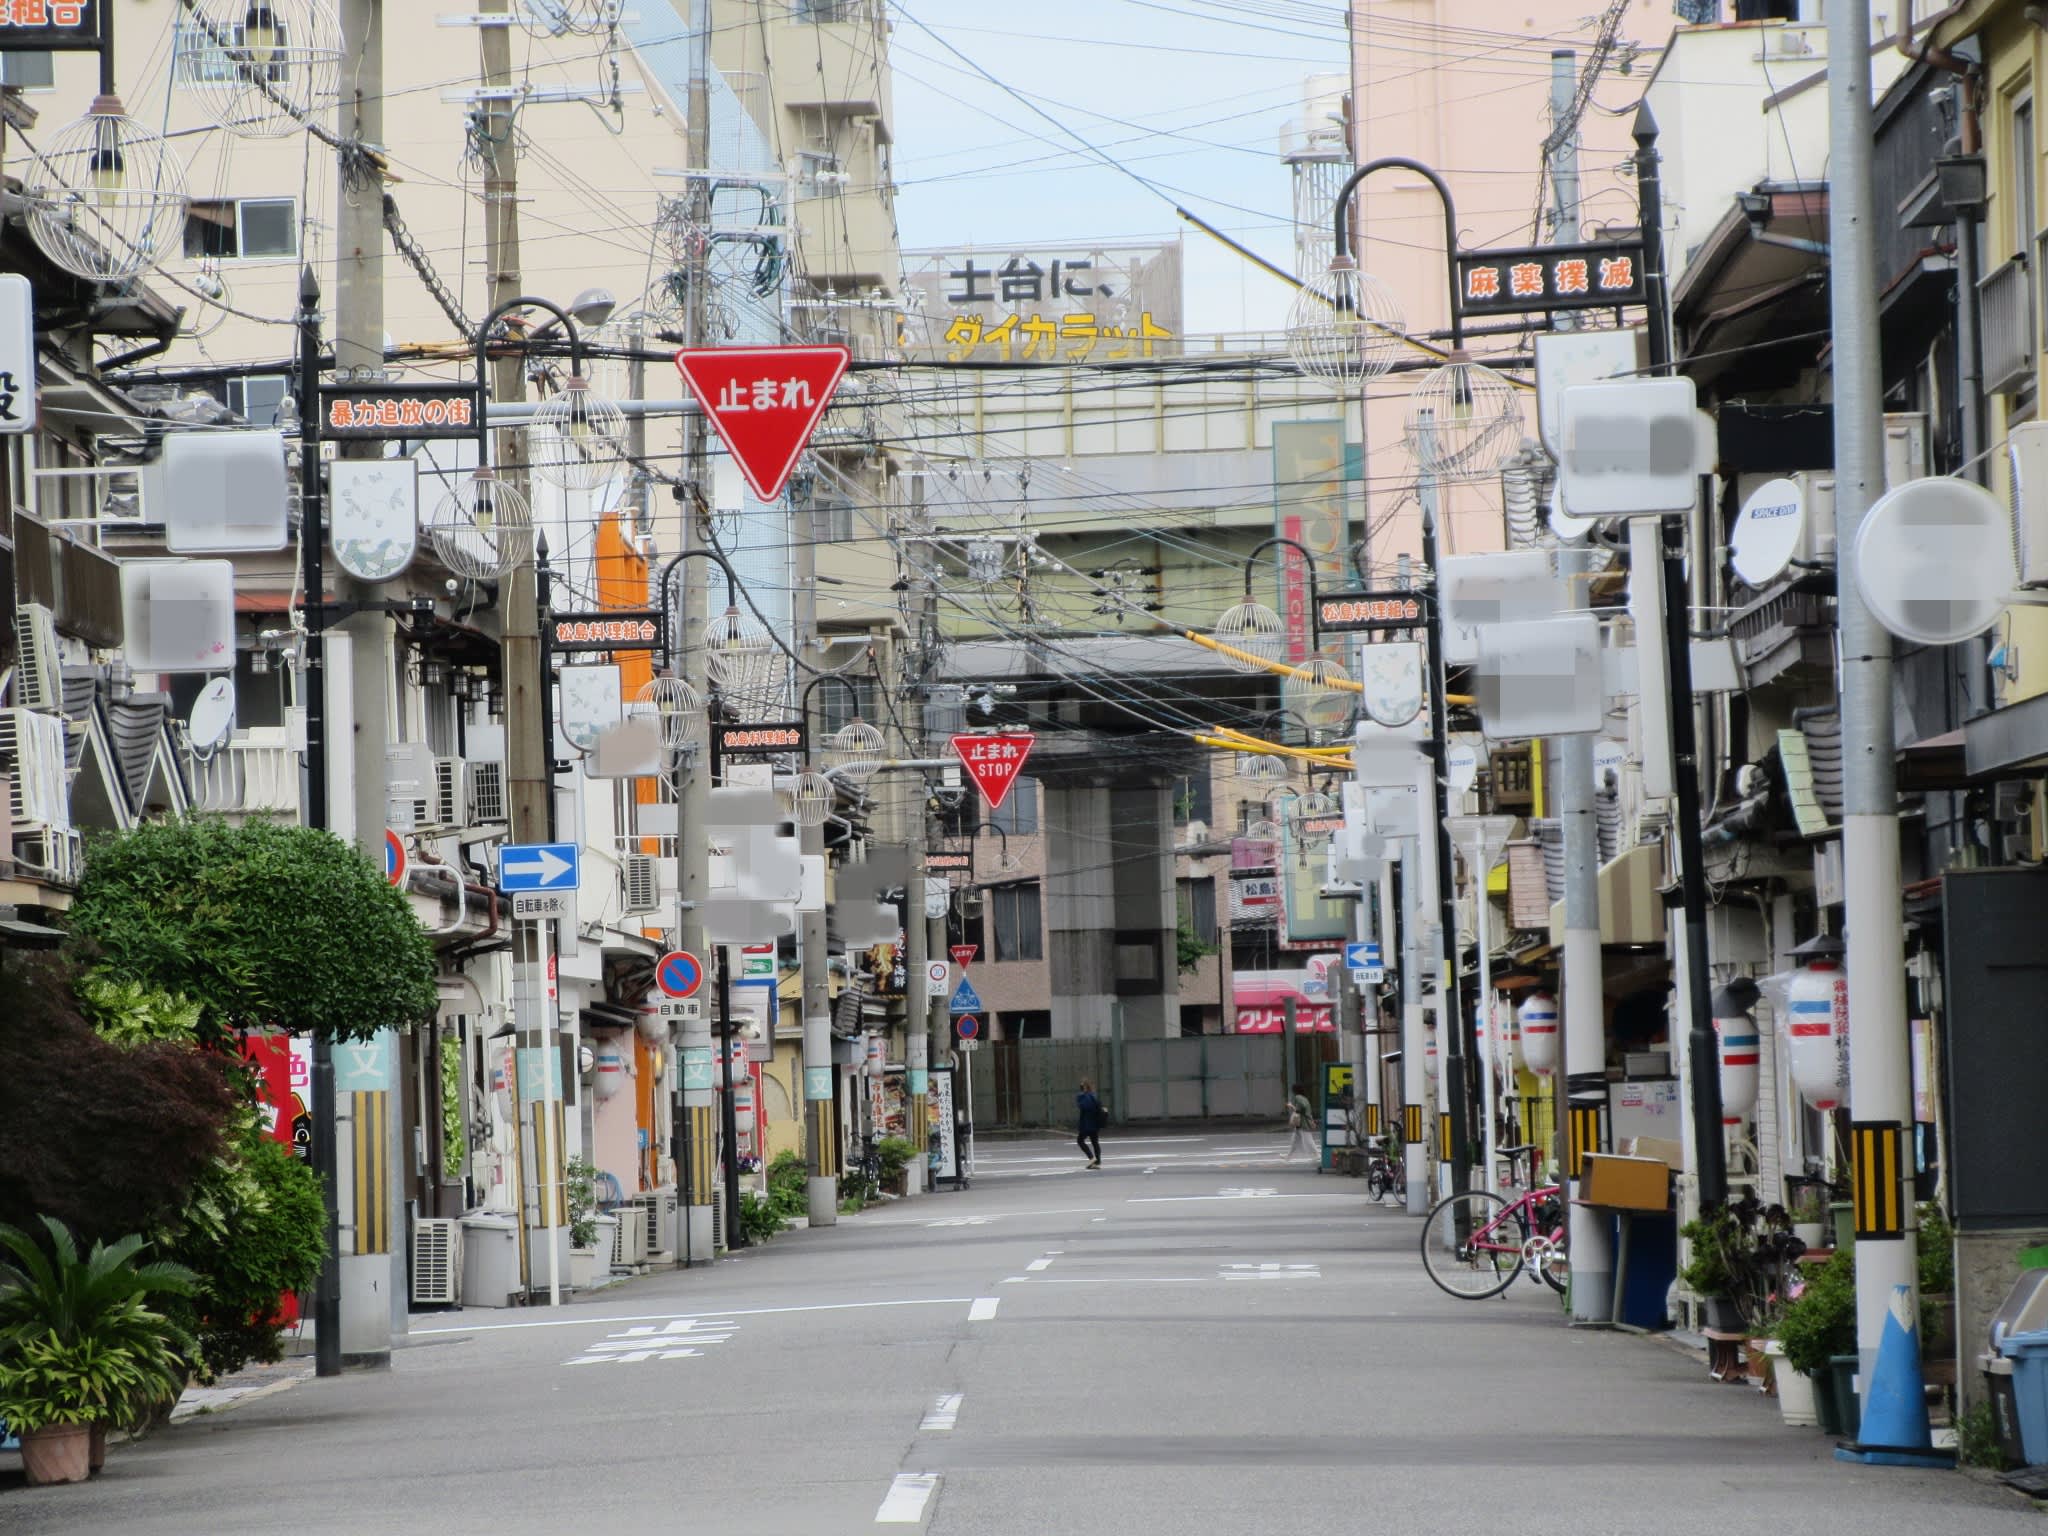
(89, 1317)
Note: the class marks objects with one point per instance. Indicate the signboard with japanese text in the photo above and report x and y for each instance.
(49, 26)
(994, 762)
(1347, 612)
(1045, 304)
(1309, 920)
(387, 412)
(765, 402)
(1535, 279)
(1254, 898)
(17, 354)
(949, 861)
(761, 739)
(1309, 508)
(618, 630)
(1261, 998)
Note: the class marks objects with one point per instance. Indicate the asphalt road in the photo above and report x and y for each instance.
(1196, 1339)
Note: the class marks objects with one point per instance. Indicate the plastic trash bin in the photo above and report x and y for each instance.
(2005, 1413)
(490, 1260)
(2025, 1308)
(2028, 1353)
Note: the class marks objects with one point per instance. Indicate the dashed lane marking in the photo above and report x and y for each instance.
(983, 1309)
(908, 1494)
(942, 1416)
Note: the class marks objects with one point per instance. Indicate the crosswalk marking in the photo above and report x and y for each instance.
(677, 1341)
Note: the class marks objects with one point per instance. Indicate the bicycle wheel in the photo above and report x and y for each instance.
(1553, 1263)
(1485, 1262)
(1376, 1182)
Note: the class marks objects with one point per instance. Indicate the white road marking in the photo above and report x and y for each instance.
(962, 1221)
(922, 1221)
(983, 1309)
(1130, 1280)
(675, 1342)
(663, 1317)
(1013, 1279)
(1271, 1272)
(1182, 1199)
(943, 1414)
(1037, 1264)
(906, 1499)
(1093, 1219)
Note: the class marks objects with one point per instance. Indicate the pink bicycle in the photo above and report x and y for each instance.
(1475, 1243)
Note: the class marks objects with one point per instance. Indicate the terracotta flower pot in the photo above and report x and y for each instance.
(57, 1453)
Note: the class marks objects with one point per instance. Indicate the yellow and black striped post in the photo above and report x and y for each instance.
(1583, 1136)
(701, 1145)
(1372, 1119)
(371, 1123)
(1443, 1137)
(1411, 1126)
(822, 1138)
(1876, 1159)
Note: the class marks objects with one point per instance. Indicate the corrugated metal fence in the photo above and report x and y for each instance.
(1030, 1083)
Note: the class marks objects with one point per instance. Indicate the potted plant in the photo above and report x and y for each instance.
(1722, 1271)
(80, 1351)
(1937, 1251)
(590, 1232)
(1818, 1330)
(894, 1153)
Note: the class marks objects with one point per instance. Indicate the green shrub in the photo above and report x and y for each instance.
(1937, 1252)
(789, 1183)
(580, 1177)
(895, 1154)
(1977, 1439)
(759, 1219)
(1821, 1323)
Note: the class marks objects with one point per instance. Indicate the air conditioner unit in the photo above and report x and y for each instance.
(1817, 536)
(1196, 833)
(484, 792)
(1905, 448)
(32, 756)
(436, 1262)
(718, 1222)
(450, 792)
(38, 674)
(629, 1241)
(639, 884)
(59, 854)
(410, 776)
(657, 1211)
(2026, 466)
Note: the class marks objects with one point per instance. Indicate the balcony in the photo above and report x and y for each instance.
(1784, 630)
(254, 773)
(2006, 298)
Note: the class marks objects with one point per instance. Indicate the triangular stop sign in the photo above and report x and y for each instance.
(994, 762)
(765, 401)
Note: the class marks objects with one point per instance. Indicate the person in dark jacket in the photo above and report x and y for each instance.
(1092, 1117)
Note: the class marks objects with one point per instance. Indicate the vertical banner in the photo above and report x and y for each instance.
(1308, 507)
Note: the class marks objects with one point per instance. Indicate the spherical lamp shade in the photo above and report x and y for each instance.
(1464, 421)
(261, 68)
(1261, 767)
(744, 663)
(482, 528)
(106, 198)
(1345, 326)
(1318, 695)
(677, 707)
(577, 438)
(810, 799)
(1253, 628)
(855, 751)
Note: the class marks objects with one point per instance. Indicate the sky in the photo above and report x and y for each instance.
(1194, 104)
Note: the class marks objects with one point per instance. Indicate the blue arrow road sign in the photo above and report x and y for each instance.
(1362, 957)
(965, 998)
(539, 867)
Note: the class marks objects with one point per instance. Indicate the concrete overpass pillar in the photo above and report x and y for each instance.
(1080, 909)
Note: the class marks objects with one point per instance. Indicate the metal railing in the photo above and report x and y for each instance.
(2006, 300)
(254, 773)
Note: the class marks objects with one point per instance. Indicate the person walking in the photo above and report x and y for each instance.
(1301, 1119)
(1091, 1115)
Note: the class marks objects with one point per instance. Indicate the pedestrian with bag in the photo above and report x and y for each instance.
(1092, 1117)
(1301, 1119)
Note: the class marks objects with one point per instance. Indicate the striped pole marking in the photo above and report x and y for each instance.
(1874, 1148)
(1411, 1129)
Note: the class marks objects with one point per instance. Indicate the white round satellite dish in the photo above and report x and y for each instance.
(1934, 560)
(1461, 766)
(1767, 531)
(1609, 756)
(1569, 526)
(213, 714)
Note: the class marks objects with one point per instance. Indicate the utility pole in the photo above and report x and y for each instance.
(1880, 1069)
(693, 856)
(821, 1147)
(1584, 1067)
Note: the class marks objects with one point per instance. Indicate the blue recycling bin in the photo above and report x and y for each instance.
(2028, 1353)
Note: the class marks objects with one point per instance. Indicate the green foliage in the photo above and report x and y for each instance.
(1977, 1439)
(454, 1122)
(789, 1184)
(581, 1178)
(1190, 950)
(1821, 1323)
(130, 1013)
(254, 1230)
(1721, 1253)
(1937, 1248)
(258, 926)
(78, 1343)
(759, 1219)
(895, 1154)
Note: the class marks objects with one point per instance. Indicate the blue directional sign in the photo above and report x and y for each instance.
(1362, 957)
(539, 867)
(965, 998)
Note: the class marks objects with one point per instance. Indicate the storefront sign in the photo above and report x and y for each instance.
(1535, 279)
(624, 630)
(1045, 304)
(1354, 612)
(1254, 898)
(949, 860)
(49, 26)
(771, 739)
(385, 412)
(1308, 510)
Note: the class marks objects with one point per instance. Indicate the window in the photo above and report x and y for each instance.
(30, 71)
(834, 520)
(202, 59)
(2025, 203)
(1192, 801)
(257, 398)
(1028, 1024)
(1198, 907)
(1018, 814)
(1019, 929)
(242, 229)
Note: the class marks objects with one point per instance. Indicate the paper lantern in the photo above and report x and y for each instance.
(1429, 1052)
(1507, 1038)
(1739, 1057)
(1816, 1029)
(611, 1071)
(1538, 1020)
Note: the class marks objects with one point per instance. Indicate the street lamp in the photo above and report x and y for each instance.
(1256, 629)
(1345, 326)
(482, 528)
(678, 708)
(261, 68)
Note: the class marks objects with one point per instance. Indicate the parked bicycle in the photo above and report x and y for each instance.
(862, 1175)
(1500, 1239)
(1383, 1173)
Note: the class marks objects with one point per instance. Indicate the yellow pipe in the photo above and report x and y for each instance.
(1283, 669)
(1269, 749)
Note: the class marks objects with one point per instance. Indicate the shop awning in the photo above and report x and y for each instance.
(2008, 740)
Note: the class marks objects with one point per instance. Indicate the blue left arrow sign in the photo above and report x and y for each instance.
(539, 867)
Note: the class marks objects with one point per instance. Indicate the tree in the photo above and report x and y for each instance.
(260, 926)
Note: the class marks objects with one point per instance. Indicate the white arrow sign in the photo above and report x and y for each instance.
(538, 866)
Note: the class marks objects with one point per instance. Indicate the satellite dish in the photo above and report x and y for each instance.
(1609, 756)
(1461, 766)
(213, 714)
(1568, 527)
(1768, 532)
(1934, 560)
